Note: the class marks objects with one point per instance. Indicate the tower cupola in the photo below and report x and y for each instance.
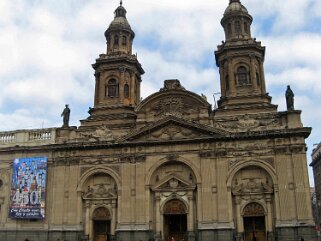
(119, 35)
(118, 72)
(236, 21)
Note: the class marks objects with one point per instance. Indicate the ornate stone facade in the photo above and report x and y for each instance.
(169, 166)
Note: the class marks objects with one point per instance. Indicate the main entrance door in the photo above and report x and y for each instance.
(101, 224)
(101, 230)
(175, 221)
(175, 227)
(254, 223)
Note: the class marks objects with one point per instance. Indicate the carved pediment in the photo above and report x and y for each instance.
(173, 182)
(251, 123)
(173, 100)
(252, 186)
(99, 191)
(103, 133)
(173, 128)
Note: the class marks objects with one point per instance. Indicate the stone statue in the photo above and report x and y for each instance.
(289, 96)
(66, 114)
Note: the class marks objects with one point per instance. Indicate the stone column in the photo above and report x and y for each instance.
(269, 213)
(88, 219)
(113, 219)
(277, 202)
(121, 85)
(190, 219)
(158, 214)
(239, 219)
(232, 82)
(253, 74)
(97, 88)
(223, 80)
(132, 96)
(79, 209)
(263, 88)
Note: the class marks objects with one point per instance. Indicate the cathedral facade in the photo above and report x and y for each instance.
(167, 167)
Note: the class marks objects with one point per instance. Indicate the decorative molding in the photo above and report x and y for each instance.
(103, 133)
(235, 161)
(172, 157)
(174, 207)
(253, 209)
(281, 150)
(101, 213)
(172, 84)
(132, 158)
(251, 186)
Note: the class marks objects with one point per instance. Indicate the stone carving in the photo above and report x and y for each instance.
(100, 191)
(101, 214)
(132, 159)
(172, 132)
(245, 122)
(172, 84)
(233, 161)
(251, 186)
(170, 106)
(99, 161)
(250, 123)
(174, 207)
(101, 134)
(204, 97)
(172, 157)
(253, 209)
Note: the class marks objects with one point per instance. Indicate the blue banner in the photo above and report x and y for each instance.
(28, 188)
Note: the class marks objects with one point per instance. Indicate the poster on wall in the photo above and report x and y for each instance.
(28, 188)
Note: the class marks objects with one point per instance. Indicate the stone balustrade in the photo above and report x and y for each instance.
(28, 137)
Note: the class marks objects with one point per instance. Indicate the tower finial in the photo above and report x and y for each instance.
(121, 2)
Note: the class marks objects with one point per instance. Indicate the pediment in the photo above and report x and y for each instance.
(173, 182)
(172, 99)
(173, 128)
(100, 191)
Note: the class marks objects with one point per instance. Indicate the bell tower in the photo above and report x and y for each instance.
(240, 60)
(117, 76)
(118, 72)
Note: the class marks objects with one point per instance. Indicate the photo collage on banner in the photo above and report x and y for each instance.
(28, 189)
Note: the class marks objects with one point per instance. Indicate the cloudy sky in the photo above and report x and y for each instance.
(47, 48)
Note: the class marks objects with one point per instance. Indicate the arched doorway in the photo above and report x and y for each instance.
(175, 220)
(254, 222)
(99, 198)
(101, 224)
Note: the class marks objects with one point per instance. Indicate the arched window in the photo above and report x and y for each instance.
(227, 85)
(124, 40)
(246, 30)
(258, 81)
(126, 91)
(112, 88)
(238, 27)
(242, 76)
(116, 40)
(229, 29)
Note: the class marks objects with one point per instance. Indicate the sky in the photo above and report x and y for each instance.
(47, 48)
